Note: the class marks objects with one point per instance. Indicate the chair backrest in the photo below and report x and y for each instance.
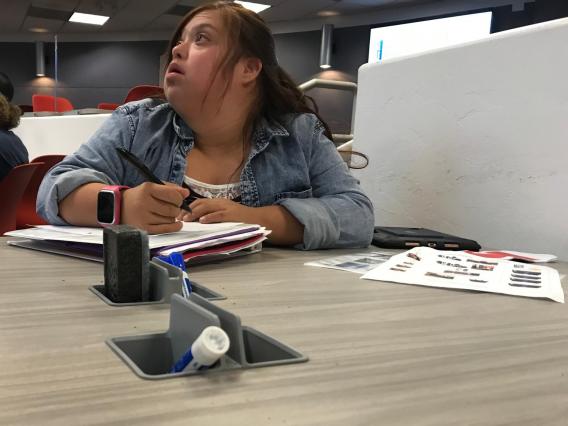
(26, 213)
(64, 104)
(47, 103)
(142, 92)
(11, 189)
(108, 105)
(43, 103)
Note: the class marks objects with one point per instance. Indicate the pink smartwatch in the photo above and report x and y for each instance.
(109, 203)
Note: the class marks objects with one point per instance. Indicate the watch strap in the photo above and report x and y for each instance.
(117, 191)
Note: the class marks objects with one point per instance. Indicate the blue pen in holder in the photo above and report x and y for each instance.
(176, 259)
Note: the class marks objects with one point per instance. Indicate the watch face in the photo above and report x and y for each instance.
(105, 207)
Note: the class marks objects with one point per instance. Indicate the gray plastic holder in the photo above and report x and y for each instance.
(165, 281)
(151, 356)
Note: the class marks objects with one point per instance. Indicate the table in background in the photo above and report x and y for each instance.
(380, 353)
(60, 134)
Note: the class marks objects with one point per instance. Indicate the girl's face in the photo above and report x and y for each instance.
(195, 59)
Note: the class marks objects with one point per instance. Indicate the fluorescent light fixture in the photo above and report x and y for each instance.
(325, 50)
(255, 7)
(87, 18)
(40, 59)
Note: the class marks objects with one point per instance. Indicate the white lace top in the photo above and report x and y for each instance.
(231, 191)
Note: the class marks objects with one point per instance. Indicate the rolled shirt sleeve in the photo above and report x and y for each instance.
(95, 161)
(337, 214)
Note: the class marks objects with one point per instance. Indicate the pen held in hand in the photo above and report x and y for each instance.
(148, 175)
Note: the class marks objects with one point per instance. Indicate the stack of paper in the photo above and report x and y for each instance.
(196, 241)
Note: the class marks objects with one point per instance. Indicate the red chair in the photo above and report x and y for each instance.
(47, 103)
(108, 105)
(143, 92)
(26, 214)
(12, 188)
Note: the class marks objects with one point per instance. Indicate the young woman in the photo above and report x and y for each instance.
(235, 132)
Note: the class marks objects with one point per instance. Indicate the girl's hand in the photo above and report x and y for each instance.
(153, 207)
(212, 210)
(286, 230)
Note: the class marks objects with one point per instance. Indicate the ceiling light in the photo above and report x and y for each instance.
(40, 59)
(87, 18)
(255, 7)
(326, 43)
(326, 13)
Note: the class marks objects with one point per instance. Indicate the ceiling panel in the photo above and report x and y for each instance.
(198, 2)
(67, 5)
(295, 9)
(362, 6)
(105, 7)
(45, 25)
(140, 17)
(148, 12)
(54, 14)
(179, 10)
(373, 3)
(12, 16)
(164, 23)
(77, 28)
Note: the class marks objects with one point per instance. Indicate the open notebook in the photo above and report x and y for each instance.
(196, 241)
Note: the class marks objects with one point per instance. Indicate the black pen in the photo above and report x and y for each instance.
(145, 171)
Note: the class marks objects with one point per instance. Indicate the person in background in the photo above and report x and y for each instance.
(236, 132)
(12, 150)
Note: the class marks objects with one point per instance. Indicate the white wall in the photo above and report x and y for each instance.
(472, 140)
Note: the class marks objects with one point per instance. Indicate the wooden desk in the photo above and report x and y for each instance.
(379, 353)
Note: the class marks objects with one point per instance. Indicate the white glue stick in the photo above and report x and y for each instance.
(211, 345)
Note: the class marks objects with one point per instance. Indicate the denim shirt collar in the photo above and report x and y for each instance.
(263, 133)
(185, 134)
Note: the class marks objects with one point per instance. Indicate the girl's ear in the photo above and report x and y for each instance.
(249, 70)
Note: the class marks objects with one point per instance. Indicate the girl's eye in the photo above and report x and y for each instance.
(200, 37)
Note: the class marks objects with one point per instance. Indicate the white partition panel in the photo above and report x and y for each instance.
(472, 139)
(61, 134)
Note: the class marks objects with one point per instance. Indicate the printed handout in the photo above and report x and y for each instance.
(358, 262)
(434, 268)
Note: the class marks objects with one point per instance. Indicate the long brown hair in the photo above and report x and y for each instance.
(278, 93)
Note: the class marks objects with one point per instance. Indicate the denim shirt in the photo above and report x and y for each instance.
(291, 164)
